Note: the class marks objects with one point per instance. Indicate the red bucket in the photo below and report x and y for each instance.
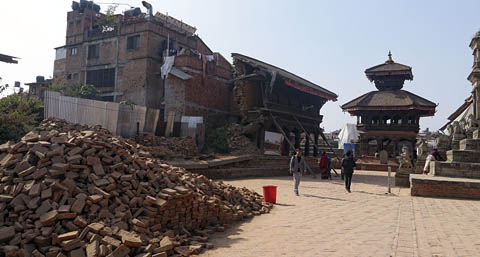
(270, 194)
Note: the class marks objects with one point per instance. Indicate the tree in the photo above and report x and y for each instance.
(85, 91)
(74, 90)
(18, 115)
(109, 21)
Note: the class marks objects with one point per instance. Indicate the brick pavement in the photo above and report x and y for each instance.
(327, 221)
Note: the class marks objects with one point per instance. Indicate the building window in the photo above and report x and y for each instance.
(101, 78)
(73, 51)
(69, 76)
(133, 42)
(75, 76)
(93, 51)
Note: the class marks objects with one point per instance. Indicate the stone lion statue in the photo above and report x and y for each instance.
(405, 162)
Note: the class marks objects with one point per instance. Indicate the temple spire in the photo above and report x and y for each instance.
(389, 57)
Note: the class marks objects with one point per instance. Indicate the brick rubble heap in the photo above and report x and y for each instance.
(70, 190)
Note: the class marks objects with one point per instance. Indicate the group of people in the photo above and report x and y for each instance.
(298, 167)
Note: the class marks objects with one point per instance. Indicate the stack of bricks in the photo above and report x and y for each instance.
(168, 148)
(68, 190)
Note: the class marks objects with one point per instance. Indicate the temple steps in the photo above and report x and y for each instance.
(463, 156)
(455, 169)
(434, 186)
(469, 144)
(476, 134)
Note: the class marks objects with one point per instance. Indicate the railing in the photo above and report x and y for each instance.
(401, 127)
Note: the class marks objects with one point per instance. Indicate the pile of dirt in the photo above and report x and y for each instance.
(71, 190)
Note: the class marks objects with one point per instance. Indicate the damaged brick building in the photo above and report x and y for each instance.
(122, 55)
(159, 62)
(272, 99)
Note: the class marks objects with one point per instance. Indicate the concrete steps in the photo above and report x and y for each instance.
(435, 186)
(469, 144)
(476, 134)
(463, 156)
(455, 169)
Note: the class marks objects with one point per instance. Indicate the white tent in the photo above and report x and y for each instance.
(347, 134)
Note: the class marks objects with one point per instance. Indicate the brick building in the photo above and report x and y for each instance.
(122, 55)
(38, 87)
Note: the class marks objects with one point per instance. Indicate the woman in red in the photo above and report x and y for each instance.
(324, 166)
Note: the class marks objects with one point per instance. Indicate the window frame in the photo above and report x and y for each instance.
(133, 43)
(93, 51)
(73, 51)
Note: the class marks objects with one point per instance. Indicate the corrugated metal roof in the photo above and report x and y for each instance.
(283, 73)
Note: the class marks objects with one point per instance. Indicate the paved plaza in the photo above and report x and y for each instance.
(325, 220)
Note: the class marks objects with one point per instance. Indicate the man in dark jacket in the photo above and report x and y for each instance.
(348, 163)
(298, 165)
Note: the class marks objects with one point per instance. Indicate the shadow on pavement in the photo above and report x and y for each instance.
(371, 179)
(224, 239)
(284, 204)
(323, 197)
(369, 193)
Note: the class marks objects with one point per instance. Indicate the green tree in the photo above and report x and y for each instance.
(18, 115)
(74, 90)
(85, 91)
(109, 21)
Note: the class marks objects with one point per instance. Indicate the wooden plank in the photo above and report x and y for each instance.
(170, 120)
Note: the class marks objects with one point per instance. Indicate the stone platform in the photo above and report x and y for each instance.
(437, 186)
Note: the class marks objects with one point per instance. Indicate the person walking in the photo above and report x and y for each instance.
(348, 163)
(297, 169)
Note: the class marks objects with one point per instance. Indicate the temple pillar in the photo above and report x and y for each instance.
(315, 144)
(261, 139)
(379, 144)
(297, 139)
(307, 144)
(395, 147)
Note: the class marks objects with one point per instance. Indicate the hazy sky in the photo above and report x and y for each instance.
(330, 43)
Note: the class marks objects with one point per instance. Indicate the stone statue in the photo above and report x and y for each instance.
(458, 131)
(383, 157)
(405, 162)
(472, 122)
(450, 129)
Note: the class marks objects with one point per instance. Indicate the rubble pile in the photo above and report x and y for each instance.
(69, 190)
(238, 142)
(169, 148)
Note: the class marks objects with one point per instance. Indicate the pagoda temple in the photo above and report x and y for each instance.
(388, 118)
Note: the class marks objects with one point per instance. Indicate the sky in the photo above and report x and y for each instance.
(330, 43)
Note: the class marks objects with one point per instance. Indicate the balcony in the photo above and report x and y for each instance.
(388, 127)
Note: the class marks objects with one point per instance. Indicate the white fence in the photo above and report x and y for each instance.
(119, 119)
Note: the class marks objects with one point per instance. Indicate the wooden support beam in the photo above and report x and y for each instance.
(292, 147)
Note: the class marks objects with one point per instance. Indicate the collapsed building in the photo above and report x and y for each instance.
(273, 99)
(159, 62)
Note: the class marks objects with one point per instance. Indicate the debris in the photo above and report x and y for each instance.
(138, 205)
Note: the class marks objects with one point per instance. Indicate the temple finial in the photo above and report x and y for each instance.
(389, 57)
